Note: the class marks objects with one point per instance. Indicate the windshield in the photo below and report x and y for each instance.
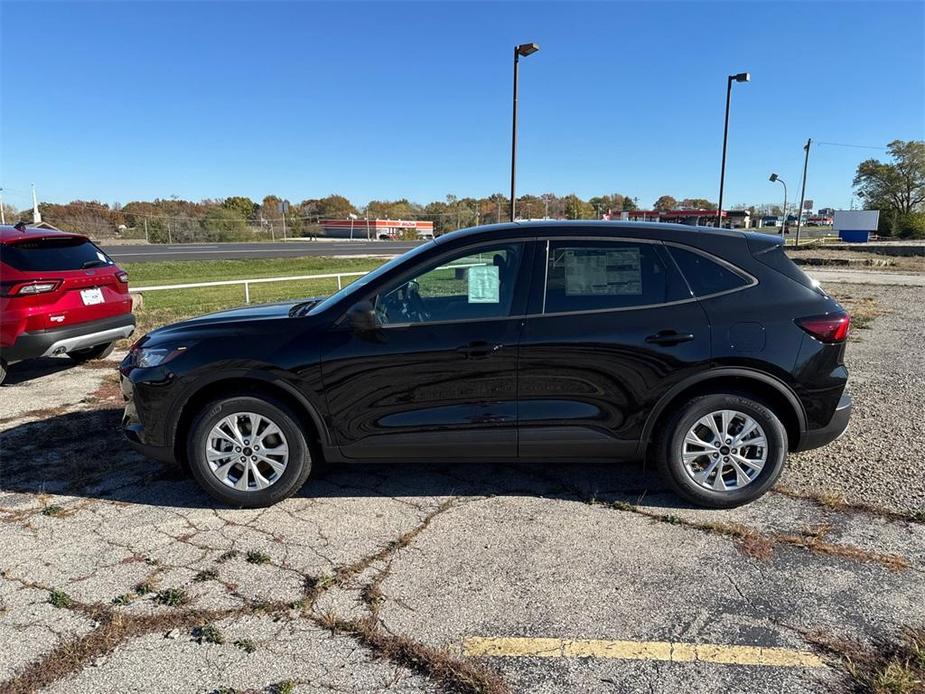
(357, 285)
(47, 254)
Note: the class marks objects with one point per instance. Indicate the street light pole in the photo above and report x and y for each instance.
(524, 50)
(803, 189)
(775, 178)
(740, 77)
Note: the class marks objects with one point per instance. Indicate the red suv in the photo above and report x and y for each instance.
(59, 294)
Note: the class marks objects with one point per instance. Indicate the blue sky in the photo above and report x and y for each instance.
(122, 101)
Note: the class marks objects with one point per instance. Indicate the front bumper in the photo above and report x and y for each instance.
(133, 427)
(48, 343)
(815, 438)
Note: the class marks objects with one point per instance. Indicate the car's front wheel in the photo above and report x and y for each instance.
(722, 450)
(248, 451)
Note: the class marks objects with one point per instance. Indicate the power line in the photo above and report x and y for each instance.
(842, 144)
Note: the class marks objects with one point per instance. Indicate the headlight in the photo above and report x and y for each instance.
(146, 357)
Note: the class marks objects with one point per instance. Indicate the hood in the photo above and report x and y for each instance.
(229, 319)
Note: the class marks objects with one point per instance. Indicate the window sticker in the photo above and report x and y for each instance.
(484, 284)
(594, 272)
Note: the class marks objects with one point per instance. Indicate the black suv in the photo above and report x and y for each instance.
(706, 351)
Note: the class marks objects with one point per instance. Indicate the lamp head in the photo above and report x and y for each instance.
(773, 178)
(526, 49)
(742, 77)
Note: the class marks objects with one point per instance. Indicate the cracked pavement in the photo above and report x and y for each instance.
(373, 576)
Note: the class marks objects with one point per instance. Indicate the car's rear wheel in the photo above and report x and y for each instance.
(248, 451)
(90, 353)
(722, 450)
(2, 370)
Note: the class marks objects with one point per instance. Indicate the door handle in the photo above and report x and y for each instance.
(668, 338)
(479, 349)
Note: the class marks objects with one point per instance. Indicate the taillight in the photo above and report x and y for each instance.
(830, 328)
(122, 277)
(28, 288)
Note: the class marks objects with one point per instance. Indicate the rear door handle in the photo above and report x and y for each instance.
(479, 349)
(668, 338)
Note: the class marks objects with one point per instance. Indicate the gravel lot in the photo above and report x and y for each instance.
(118, 575)
(879, 460)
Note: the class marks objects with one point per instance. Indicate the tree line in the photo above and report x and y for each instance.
(895, 187)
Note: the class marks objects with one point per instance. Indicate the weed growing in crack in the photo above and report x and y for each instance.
(206, 575)
(208, 633)
(124, 599)
(671, 519)
(889, 667)
(284, 687)
(52, 510)
(255, 556)
(228, 556)
(245, 645)
(145, 587)
(60, 599)
(172, 597)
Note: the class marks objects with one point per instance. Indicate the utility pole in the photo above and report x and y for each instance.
(146, 230)
(806, 147)
(2, 213)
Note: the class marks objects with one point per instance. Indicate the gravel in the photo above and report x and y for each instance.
(880, 460)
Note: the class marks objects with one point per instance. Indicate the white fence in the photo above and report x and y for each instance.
(339, 276)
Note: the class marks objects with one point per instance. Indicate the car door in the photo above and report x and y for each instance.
(611, 328)
(435, 377)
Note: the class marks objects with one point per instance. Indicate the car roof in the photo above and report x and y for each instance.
(662, 231)
(9, 234)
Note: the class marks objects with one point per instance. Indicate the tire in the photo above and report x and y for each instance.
(248, 494)
(709, 491)
(98, 352)
(2, 370)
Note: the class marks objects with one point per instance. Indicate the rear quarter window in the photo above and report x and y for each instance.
(51, 254)
(706, 276)
(778, 259)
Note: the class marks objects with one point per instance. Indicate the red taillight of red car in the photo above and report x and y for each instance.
(28, 288)
(829, 328)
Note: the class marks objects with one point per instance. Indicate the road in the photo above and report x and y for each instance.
(144, 253)
(869, 277)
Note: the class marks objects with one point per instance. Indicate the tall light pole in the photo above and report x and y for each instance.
(740, 77)
(2, 213)
(524, 50)
(777, 179)
(806, 147)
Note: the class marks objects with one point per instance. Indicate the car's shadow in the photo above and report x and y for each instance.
(27, 370)
(83, 454)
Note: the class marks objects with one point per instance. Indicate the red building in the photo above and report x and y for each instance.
(375, 228)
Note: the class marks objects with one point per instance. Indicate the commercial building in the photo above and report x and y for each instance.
(738, 219)
(376, 228)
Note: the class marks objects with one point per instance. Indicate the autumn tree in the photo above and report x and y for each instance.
(665, 203)
(896, 188)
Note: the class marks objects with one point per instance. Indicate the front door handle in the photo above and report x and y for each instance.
(668, 338)
(479, 349)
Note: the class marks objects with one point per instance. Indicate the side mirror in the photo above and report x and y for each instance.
(362, 317)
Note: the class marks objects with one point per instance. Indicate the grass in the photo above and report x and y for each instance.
(208, 633)
(60, 599)
(206, 575)
(172, 597)
(163, 307)
(257, 557)
(245, 645)
(889, 667)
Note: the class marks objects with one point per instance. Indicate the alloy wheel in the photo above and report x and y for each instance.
(247, 451)
(724, 450)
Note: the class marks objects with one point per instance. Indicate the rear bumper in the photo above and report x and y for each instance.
(46, 343)
(814, 438)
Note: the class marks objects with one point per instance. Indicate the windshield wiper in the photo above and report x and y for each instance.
(300, 308)
(92, 263)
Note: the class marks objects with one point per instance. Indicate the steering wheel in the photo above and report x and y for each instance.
(403, 305)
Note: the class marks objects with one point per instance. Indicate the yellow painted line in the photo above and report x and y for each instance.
(677, 652)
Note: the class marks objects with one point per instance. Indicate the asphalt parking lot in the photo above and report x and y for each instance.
(118, 575)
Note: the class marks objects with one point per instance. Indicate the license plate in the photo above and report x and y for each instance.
(92, 296)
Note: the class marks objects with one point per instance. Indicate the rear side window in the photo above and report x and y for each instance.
(50, 254)
(706, 276)
(601, 275)
(780, 261)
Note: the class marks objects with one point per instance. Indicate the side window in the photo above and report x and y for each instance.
(598, 275)
(705, 276)
(471, 285)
